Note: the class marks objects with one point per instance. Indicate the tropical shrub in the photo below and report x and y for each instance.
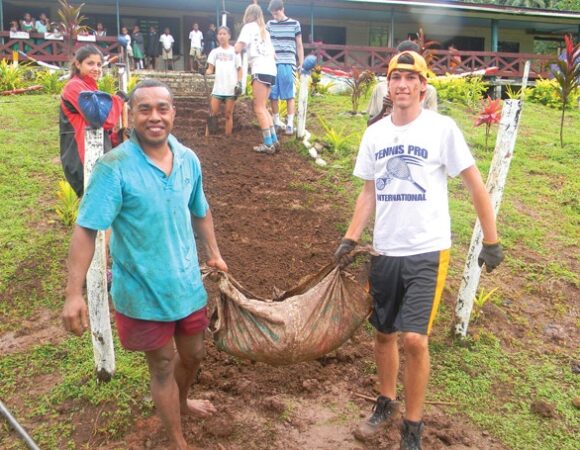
(467, 91)
(108, 83)
(336, 139)
(11, 77)
(545, 92)
(68, 203)
(359, 84)
(51, 82)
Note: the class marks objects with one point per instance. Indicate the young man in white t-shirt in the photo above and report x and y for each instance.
(196, 47)
(167, 41)
(405, 159)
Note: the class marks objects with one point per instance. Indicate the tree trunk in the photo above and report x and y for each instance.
(562, 125)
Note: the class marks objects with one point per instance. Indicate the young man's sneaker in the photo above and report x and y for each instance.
(279, 125)
(289, 130)
(263, 148)
(383, 411)
(411, 435)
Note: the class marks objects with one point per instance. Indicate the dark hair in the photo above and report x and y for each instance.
(408, 46)
(406, 58)
(223, 27)
(80, 55)
(148, 83)
(276, 5)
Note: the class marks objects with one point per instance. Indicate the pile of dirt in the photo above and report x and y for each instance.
(193, 113)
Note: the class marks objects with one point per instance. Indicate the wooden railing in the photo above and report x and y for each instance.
(510, 65)
(49, 50)
(342, 57)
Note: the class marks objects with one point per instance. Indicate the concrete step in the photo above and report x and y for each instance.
(183, 84)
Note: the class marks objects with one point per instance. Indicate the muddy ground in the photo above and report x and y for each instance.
(274, 228)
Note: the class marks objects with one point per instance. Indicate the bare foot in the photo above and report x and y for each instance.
(201, 408)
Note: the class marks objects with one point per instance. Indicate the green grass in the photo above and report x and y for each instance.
(30, 236)
(73, 361)
(472, 376)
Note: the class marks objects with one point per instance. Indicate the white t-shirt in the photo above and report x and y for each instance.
(226, 63)
(167, 41)
(196, 38)
(410, 165)
(261, 55)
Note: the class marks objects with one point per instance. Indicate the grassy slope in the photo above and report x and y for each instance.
(539, 215)
(33, 246)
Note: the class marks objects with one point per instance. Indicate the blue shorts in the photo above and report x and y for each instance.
(284, 87)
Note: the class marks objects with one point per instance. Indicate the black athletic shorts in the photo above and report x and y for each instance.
(268, 80)
(406, 291)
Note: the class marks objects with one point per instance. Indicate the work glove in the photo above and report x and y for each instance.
(342, 257)
(122, 95)
(491, 255)
(238, 89)
(387, 105)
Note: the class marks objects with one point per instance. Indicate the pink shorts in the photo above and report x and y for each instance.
(147, 335)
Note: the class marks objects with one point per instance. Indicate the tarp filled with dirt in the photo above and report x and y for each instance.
(301, 324)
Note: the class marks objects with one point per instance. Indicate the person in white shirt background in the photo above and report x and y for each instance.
(227, 86)
(196, 48)
(167, 41)
(262, 63)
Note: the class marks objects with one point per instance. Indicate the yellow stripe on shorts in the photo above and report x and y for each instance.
(441, 276)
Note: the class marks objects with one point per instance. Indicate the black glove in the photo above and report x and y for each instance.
(238, 89)
(342, 255)
(387, 105)
(491, 255)
(123, 95)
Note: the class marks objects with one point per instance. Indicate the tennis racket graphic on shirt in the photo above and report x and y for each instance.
(398, 167)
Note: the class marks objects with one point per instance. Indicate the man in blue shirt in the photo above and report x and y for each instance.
(286, 36)
(149, 191)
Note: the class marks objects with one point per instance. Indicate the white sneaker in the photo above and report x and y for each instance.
(289, 130)
(263, 148)
(279, 125)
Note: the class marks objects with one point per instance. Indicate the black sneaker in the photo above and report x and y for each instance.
(411, 435)
(383, 411)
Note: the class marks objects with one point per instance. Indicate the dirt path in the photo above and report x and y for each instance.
(273, 228)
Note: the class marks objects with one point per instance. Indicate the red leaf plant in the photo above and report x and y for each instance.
(566, 71)
(490, 114)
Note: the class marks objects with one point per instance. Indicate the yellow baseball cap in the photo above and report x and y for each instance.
(412, 62)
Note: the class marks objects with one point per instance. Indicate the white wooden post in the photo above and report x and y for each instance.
(123, 80)
(97, 295)
(302, 104)
(503, 153)
(123, 77)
